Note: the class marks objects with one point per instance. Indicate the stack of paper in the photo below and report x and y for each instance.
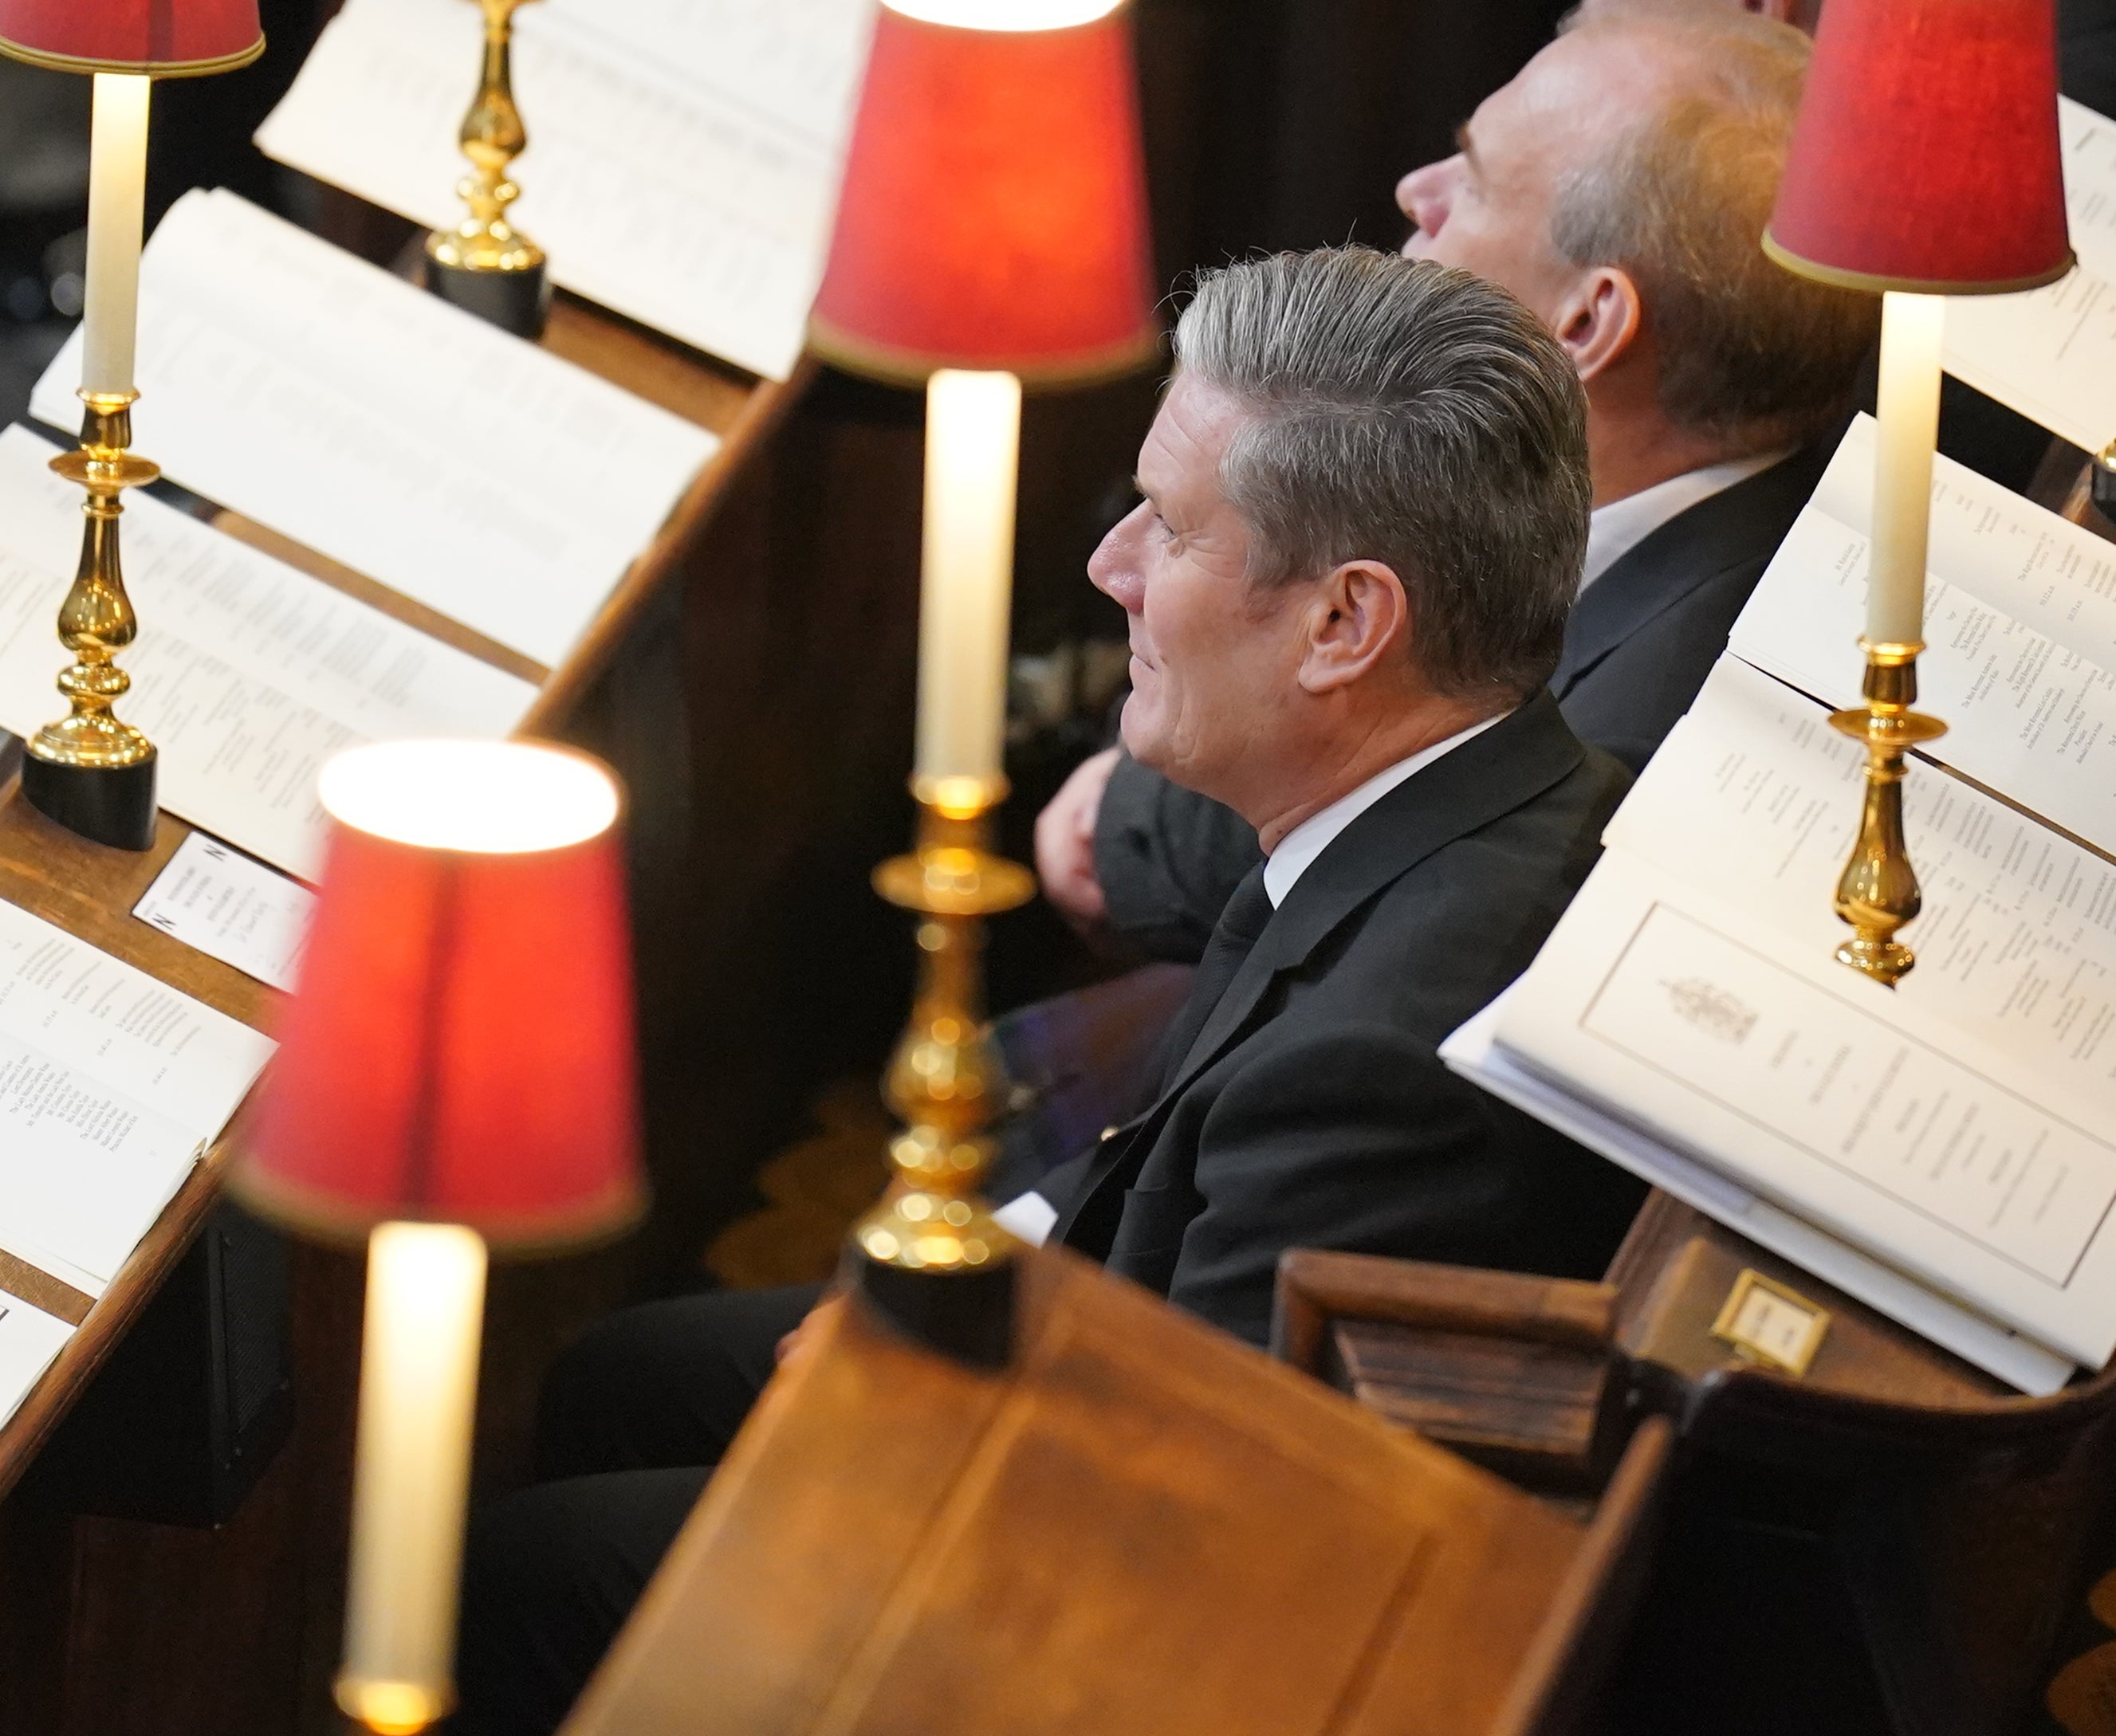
(1944, 1150)
(112, 1086)
(683, 155)
(408, 440)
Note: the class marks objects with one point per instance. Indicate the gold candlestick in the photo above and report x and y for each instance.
(90, 771)
(1877, 892)
(484, 266)
(934, 1259)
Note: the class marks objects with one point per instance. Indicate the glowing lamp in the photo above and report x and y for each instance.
(994, 209)
(456, 1068)
(1925, 163)
(161, 38)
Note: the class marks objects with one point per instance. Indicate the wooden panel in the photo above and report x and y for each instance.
(1527, 1411)
(897, 1542)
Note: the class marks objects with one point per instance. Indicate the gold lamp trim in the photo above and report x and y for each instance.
(1838, 277)
(135, 68)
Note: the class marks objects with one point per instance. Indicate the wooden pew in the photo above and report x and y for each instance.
(1889, 1541)
(1139, 1527)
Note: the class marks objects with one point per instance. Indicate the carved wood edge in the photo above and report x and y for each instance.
(1593, 1602)
(137, 1283)
(1316, 1287)
(759, 418)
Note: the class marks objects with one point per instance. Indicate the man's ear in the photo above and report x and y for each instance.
(1357, 621)
(1599, 320)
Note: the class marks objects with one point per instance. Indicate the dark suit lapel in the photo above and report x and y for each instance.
(1511, 763)
(1688, 552)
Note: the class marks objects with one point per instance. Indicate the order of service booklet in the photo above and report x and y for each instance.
(1946, 1151)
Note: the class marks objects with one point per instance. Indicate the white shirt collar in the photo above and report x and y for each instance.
(1615, 530)
(1298, 850)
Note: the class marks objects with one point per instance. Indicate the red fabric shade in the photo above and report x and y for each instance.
(461, 1046)
(994, 211)
(1926, 156)
(170, 37)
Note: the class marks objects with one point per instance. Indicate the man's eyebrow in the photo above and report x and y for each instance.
(1467, 147)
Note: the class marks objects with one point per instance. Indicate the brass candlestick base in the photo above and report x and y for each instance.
(89, 771)
(930, 1255)
(484, 265)
(1878, 892)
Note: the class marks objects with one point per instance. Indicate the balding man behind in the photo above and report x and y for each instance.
(1619, 187)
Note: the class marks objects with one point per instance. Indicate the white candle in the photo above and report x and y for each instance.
(1908, 406)
(117, 198)
(418, 1397)
(973, 444)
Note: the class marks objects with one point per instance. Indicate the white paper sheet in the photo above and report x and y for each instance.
(683, 155)
(2050, 353)
(247, 674)
(2019, 610)
(30, 1339)
(111, 1085)
(2005, 1354)
(2017, 943)
(411, 442)
(231, 907)
(1815, 1088)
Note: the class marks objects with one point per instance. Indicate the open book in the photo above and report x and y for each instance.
(1945, 1151)
(112, 1086)
(247, 674)
(683, 155)
(402, 437)
(2050, 353)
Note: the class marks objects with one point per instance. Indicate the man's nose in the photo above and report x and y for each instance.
(1422, 197)
(1113, 568)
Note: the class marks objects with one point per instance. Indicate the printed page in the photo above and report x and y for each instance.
(683, 155)
(232, 907)
(409, 441)
(2020, 613)
(111, 1085)
(2050, 353)
(1473, 1052)
(29, 1339)
(1832, 1097)
(2016, 941)
(247, 674)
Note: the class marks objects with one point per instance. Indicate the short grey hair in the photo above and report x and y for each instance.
(1750, 354)
(1407, 413)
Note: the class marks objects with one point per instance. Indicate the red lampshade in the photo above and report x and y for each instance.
(1926, 156)
(169, 39)
(460, 1047)
(994, 211)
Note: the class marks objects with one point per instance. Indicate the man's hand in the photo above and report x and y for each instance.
(1065, 843)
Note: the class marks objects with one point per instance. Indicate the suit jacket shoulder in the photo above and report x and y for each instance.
(1645, 635)
(1312, 1110)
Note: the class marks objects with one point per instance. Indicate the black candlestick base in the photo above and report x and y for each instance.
(111, 805)
(517, 301)
(968, 1315)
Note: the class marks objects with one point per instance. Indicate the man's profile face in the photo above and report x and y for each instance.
(1213, 657)
(1488, 208)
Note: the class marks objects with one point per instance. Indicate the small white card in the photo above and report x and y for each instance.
(232, 907)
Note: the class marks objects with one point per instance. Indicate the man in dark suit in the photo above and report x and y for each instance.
(1619, 186)
(1365, 513)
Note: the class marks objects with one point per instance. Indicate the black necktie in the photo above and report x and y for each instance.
(1240, 923)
